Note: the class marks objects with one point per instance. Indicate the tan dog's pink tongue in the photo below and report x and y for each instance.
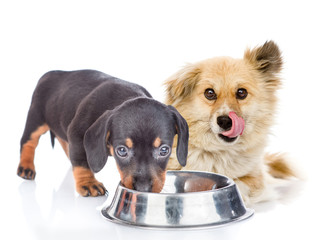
(237, 126)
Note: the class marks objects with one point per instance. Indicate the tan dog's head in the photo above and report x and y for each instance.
(228, 101)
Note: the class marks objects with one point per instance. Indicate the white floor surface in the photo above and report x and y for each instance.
(145, 42)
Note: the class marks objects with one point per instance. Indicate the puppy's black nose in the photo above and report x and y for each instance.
(142, 184)
(224, 122)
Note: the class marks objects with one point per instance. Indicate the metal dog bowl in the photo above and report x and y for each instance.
(188, 200)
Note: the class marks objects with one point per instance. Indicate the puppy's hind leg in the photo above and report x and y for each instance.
(34, 128)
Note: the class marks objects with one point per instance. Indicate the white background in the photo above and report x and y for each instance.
(145, 42)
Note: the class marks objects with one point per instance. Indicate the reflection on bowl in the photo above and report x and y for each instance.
(189, 199)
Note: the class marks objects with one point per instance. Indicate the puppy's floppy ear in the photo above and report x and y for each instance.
(183, 134)
(181, 84)
(95, 141)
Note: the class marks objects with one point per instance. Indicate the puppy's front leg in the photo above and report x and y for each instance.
(86, 183)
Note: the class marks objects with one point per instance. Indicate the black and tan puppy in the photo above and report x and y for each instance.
(93, 116)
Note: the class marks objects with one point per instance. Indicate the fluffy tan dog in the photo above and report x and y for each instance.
(229, 105)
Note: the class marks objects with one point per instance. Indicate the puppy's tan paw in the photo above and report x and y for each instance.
(93, 189)
(26, 171)
(86, 184)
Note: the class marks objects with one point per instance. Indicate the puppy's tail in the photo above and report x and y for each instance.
(52, 136)
(280, 166)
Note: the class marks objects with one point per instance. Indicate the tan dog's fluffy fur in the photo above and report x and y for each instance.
(243, 159)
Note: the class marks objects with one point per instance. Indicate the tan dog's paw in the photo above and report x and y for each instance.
(254, 189)
(86, 184)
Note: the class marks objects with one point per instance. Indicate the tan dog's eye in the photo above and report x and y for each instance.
(241, 93)
(210, 94)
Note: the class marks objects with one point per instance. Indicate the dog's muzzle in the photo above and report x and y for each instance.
(232, 125)
(142, 184)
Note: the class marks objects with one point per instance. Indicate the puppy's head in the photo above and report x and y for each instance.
(139, 135)
(225, 100)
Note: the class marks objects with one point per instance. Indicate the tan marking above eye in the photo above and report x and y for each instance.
(129, 143)
(157, 142)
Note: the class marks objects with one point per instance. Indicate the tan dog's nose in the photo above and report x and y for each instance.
(224, 122)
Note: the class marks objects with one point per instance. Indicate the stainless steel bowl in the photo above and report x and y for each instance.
(189, 199)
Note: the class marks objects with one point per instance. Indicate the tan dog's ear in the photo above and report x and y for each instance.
(181, 84)
(266, 59)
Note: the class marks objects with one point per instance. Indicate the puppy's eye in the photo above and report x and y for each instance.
(122, 151)
(210, 94)
(164, 151)
(241, 93)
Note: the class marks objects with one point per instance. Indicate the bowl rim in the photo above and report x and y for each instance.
(230, 184)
